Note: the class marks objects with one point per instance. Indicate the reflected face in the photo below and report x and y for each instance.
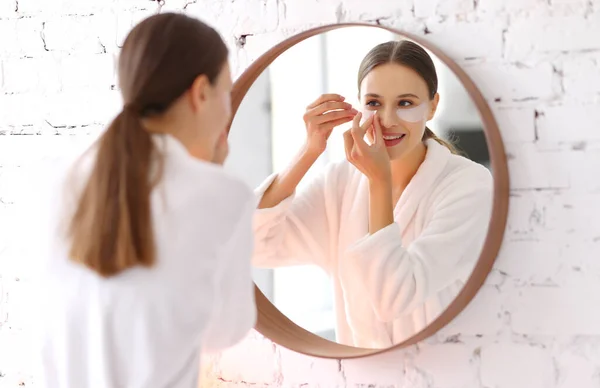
(401, 98)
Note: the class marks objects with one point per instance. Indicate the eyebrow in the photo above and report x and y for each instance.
(400, 96)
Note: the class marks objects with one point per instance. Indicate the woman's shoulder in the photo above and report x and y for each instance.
(462, 176)
(204, 196)
(213, 186)
(463, 168)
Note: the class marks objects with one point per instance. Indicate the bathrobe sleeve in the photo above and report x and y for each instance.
(299, 229)
(234, 311)
(398, 279)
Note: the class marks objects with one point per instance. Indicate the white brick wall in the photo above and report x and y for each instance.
(535, 323)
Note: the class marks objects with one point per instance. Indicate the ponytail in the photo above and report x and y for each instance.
(111, 228)
(429, 134)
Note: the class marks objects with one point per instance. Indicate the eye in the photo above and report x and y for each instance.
(372, 103)
(405, 103)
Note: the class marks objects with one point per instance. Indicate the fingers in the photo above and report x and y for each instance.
(348, 144)
(328, 106)
(358, 131)
(371, 135)
(368, 123)
(331, 116)
(378, 132)
(360, 144)
(325, 98)
(332, 124)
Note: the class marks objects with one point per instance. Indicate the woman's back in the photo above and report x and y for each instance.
(146, 327)
(146, 241)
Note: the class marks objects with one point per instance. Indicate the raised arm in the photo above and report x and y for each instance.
(290, 229)
(321, 117)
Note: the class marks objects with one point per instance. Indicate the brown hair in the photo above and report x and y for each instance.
(111, 228)
(413, 56)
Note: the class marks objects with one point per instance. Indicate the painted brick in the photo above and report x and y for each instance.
(8, 9)
(387, 366)
(376, 9)
(250, 17)
(527, 262)
(16, 109)
(123, 6)
(254, 17)
(95, 71)
(515, 124)
(578, 363)
(533, 169)
(483, 316)
(516, 366)
(297, 369)
(296, 13)
(532, 325)
(570, 7)
(551, 310)
(21, 37)
(528, 37)
(485, 40)
(582, 78)
(62, 7)
(260, 369)
(586, 164)
(569, 123)
(75, 108)
(31, 75)
(428, 8)
(86, 35)
(514, 83)
(494, 6)
(255, 46)
(554, 215)
(450, 368)
(28, 7)
(126, 20)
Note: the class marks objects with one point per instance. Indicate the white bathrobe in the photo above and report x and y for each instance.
(393, 283)
(147, 327)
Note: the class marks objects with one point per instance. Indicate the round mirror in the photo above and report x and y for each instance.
(381, 185)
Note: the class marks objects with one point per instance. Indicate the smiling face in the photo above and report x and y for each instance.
(400, 96)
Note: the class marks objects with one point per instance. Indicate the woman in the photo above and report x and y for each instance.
(400, 223)
(152, 266)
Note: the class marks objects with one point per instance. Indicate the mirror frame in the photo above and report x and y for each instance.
(275, 326)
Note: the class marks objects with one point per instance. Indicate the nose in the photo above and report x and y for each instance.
(388, 117)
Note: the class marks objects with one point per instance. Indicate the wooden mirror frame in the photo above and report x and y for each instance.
(275, 326)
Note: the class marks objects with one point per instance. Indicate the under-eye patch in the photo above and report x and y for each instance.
(412, 115)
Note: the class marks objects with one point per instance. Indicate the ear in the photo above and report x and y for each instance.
(434, 104)
(199, 92)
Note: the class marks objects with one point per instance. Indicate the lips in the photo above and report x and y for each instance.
(391, 140)
(393, 136)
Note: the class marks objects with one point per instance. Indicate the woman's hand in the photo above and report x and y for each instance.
(222, 149)
(372, 160)
(321, 117)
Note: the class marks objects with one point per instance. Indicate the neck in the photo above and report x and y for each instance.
(405, 168)
(180, 130)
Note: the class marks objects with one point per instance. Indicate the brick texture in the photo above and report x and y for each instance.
(535, 323)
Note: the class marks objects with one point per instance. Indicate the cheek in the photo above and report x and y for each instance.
(226, 104)
(416, 130)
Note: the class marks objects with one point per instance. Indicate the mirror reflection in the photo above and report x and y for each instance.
(373, 185)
